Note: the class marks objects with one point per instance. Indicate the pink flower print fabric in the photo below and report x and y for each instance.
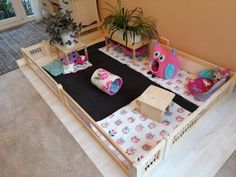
(106, 81)
(150, 136)
(139, 128)
(103, 74)
(131, 119)
(135, 139)
(136, 134)
(120, 141)
(125, 130)
(106, 87)
(131, 150)
(105, 125)
(118, 122)
(152, 125)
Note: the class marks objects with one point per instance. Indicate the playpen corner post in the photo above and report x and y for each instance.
(168, 144)
(61, 97)
(25, 57)
(134, 170)
(86, 52)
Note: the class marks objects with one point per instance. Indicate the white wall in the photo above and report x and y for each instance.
(37, 9)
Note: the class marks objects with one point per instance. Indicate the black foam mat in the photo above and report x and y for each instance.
(98, 104)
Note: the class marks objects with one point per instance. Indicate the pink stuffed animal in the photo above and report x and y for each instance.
(163, 63)
(81, 59)
(200, 85)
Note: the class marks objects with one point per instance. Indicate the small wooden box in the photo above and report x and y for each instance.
(154, 101)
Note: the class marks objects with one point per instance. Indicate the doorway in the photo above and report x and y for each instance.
(15, 12)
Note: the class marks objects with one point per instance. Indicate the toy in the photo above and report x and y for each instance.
(163, 63)
(81, 59)
(207, 73)
(73, 56)
(207, 83)
(149, 103)
(220, 74)
(200, 85)
(106, 81)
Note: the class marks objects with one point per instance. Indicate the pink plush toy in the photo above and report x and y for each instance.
(163, 63)
(200, 85)
(203, 87)
(81, 59)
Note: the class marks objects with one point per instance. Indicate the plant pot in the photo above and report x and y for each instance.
(68, 39)
(119, 33)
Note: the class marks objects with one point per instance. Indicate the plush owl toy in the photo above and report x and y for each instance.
(163, 63)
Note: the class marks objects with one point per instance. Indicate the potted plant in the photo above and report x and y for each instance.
(130, 24)
(62, 29)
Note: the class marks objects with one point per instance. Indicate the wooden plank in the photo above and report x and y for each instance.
(66, 51)
(226, 89)
(85, 114)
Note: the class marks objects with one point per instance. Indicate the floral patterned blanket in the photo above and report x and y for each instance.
(137, 134)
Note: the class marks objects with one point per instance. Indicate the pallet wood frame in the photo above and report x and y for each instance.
(42, 53)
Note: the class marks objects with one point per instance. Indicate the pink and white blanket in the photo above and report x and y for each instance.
(137, 134)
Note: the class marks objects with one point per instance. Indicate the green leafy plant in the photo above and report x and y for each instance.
(6, 9)
(27, 6)
(132, 22)
(59, 24)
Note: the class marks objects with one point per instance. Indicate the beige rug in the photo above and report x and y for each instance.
(33, 142)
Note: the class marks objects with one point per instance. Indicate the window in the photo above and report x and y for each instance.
(27, 7)
(6, 9)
